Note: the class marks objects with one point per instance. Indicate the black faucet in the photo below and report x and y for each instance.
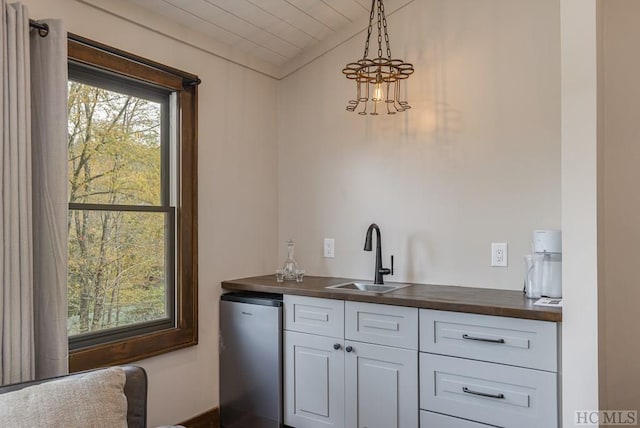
(380, 271)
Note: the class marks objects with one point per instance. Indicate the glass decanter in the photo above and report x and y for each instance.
(290, 266)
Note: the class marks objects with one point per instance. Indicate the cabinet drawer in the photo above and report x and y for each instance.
(382, 324)
(435, 420)
(513, 341)
(314, 315)
(509, 397)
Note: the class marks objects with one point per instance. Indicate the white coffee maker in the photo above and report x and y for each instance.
(548, 243)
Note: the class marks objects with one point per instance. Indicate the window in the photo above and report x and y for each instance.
(132, 278)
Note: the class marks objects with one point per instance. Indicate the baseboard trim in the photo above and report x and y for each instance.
(208, 419)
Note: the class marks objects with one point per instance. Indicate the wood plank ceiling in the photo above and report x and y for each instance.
(275, 31)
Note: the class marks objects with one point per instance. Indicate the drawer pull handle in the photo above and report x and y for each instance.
(482, 394)
(482, 339)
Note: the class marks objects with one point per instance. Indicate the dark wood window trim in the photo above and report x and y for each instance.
(185, 333)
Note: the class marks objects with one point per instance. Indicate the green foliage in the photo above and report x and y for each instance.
(116, 258)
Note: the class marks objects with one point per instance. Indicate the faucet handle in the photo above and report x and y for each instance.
(387, 271)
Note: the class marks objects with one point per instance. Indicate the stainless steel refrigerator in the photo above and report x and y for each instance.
(251, 360)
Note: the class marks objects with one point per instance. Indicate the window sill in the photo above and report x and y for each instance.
(131, 349)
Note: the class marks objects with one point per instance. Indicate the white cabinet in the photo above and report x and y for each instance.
(333, 382)
(489, 370)
(381, 386)
(324, 317)
(382, 324)
(512, 341)
(436, 420)
(490, 393)
(356, 365)
(314, 380)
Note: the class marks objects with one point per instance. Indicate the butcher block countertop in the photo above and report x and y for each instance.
(487, 301)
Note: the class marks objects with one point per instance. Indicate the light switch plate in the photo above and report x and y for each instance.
(329, 248)
(499, 254)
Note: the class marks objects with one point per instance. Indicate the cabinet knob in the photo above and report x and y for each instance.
(348, 349)
(336, 346)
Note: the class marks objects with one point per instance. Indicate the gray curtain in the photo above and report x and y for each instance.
(33, 162)
(49, 164)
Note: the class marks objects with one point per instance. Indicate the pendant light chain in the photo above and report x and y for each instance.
(380, 31)
(366, 45)
(386, 34)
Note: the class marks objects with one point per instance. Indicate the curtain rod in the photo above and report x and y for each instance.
(43, 28)
(187, 78)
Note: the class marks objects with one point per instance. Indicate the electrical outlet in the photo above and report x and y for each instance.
(499, 254)
(329, 248)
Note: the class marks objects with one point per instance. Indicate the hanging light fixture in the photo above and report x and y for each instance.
(378, 80)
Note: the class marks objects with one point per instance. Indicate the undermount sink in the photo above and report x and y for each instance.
(366, 286)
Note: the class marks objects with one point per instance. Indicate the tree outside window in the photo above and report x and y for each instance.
(117, 259)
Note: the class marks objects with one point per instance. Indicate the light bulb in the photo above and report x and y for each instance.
(377, 90)
(377, 93)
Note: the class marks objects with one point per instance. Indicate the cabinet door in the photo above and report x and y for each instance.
(381, 386)
(313, 381)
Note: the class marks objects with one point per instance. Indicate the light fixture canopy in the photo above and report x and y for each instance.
(378, 80)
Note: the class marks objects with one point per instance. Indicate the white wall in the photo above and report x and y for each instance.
(579, 206)
(476, 160)
(237, 192)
